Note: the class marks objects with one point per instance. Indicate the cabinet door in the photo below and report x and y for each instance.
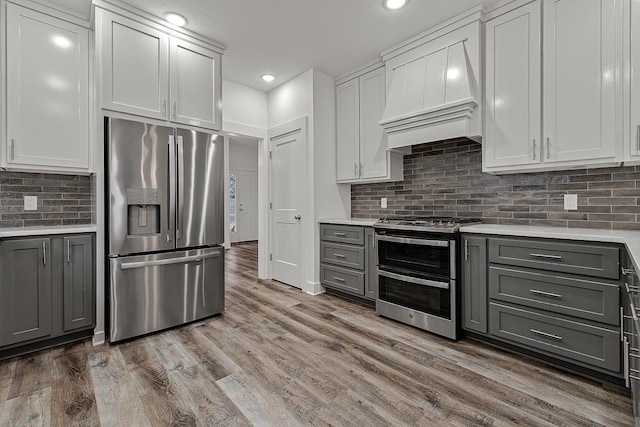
(513, 89)
(135, 67)
(371, 284)
(195, 85)
(25, 290)
(582, 57)
(47, 91)
(78, 283)
(474, 285)
(635, 81)
(348, 131)
(373, 139)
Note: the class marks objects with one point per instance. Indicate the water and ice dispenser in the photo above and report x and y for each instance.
(143, 211)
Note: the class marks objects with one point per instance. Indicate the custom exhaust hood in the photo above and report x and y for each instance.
(433, 84)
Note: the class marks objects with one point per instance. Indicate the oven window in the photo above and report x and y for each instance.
(433, 260)
(435, 301)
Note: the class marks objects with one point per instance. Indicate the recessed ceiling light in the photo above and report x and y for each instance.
(175, 19)
(268, 77)
(394, 4)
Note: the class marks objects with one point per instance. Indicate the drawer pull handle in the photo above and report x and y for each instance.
(546, 294)
(340, 234)
(634, 313)
(546, 335)
(338, 279)
(339, 256)
(545, 256)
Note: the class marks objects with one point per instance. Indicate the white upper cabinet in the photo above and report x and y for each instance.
(135, 67)
(149, 73)
(362, 154)
(373, 140)
(583, 62)
(633, 152)
(47, 93)
(195, 85)
(579, 79)
(348, 130)
(513, 89)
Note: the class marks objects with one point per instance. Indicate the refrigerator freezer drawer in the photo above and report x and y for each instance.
(153, 292)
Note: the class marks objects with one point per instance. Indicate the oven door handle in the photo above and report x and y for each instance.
(414, 280)
(407, 240)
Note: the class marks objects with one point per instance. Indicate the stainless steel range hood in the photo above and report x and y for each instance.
(434, 89)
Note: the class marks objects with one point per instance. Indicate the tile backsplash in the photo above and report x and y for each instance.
(446, 179)
(62, 199)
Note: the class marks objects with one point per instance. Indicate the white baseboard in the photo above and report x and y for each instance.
(314, 288)
(99, 338)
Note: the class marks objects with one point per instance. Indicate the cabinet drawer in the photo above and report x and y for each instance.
(343, 255)
(342, 278)
(582, 258)
(574, 297)
(342, 234)
(576, 341)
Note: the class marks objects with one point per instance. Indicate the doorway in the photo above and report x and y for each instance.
(243, 189)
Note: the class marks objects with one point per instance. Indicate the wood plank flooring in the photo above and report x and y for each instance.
(279, 357)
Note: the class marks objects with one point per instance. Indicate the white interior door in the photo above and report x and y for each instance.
(246, 206)
(287, 192)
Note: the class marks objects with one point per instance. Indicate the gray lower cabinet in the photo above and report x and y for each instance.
(47, 288)
(348, 259)
(578, 341)
(474, 283)
(78, 302)
(25, 290)
(556, 299)
(371, 279)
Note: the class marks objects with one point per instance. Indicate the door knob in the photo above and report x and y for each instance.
(298, 217)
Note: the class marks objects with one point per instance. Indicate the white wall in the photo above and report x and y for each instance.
(291, 100)
(244, 110)
(312, 94)
(331, 200)
(243, 155)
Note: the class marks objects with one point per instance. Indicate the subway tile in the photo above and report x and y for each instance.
(589, 224)
(11, 223)
(531, 215)
(612, 201)
(618, 217)
(575, 216)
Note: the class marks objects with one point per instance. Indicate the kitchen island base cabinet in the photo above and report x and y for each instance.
(47, 291)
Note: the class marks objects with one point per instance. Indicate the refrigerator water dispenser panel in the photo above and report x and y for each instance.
(143, 211)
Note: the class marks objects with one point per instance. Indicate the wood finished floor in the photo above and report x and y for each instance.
(279, 357)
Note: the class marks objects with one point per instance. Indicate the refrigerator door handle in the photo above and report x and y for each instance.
(155, 263)
(171, 223)
(180, 189)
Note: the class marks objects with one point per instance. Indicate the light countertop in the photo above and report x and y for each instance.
(42, 231)
(367, 222)
(629, 238)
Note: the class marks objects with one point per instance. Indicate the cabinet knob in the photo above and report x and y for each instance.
(297, 217)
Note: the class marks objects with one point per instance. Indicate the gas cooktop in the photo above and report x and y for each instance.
(436, 224)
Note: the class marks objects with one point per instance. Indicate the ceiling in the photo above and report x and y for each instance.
(288, 37)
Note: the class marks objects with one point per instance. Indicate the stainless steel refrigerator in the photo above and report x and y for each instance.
(165, 227)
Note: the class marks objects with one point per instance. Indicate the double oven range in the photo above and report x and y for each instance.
(418, 267)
